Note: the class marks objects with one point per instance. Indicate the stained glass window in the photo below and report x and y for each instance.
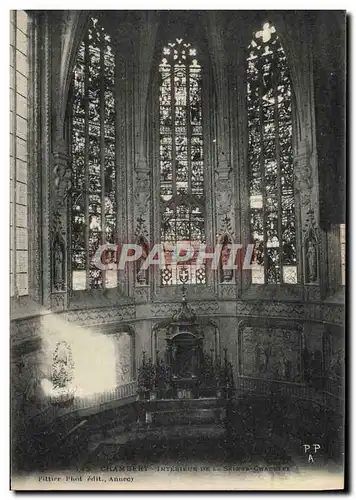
(270, 158)
(93, 205)
(181, 159)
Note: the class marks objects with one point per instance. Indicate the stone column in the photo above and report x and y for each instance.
(224, 178)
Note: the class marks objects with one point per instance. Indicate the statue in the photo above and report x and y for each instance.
(62, 182)
(311, 261)
(281, 366)
(63, 366)
(311, 242)
(225, 256)
(142, 195)
(142, 274)
(58, 257)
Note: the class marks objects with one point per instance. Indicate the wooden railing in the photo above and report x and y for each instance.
(51, 410)
(96, 399)
(243, 384)
(289, 389)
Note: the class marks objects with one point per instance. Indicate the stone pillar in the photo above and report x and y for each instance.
(142, 180)
(224, 179)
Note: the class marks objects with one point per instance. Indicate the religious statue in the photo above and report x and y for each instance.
(62, 367)
(260, 360)
(62, 182)
(142, 195)
(258, 252)
(225, 256)
(311, 261)
(142, 274)
(281, 366)
(58, 258)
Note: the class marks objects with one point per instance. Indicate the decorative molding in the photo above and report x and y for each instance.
(26, 333)
(100, 316)
(226, 229)
(35, 164)
(142, 294)
(270, 309)
(141, 228)
(227, 290)
(46, 157)
(201, 308)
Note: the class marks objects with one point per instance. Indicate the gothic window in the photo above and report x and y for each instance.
(270, 159)
(93, 200)
(181, 159)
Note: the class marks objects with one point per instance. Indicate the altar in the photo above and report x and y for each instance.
(185, 370)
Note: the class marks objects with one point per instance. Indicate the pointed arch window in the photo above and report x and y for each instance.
(270, 160)
(93, 197)
(181, 159)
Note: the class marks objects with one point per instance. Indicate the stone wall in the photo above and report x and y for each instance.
(18, 152)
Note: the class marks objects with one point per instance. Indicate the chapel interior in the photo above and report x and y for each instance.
(165, 127)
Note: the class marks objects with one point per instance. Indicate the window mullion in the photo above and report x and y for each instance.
(102, 144)
(86, 157)
(263, 180)
(188, 128)
(279, 176)
(174, 187)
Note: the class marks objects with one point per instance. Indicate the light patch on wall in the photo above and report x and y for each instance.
(94, 364)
